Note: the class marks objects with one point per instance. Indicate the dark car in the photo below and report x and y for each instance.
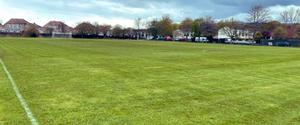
(283, 44)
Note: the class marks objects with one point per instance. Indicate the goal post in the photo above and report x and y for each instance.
(61, 35)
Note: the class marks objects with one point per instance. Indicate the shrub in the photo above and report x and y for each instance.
(30, 31)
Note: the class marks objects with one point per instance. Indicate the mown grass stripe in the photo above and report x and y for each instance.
(19, 95)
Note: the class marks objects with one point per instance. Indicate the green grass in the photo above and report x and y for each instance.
(68, 81)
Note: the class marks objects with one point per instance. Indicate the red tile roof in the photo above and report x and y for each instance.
(55, 23)
(36, 25)
(58, 24)
(17, 21)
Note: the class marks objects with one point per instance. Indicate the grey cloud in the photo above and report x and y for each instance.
(178, 9)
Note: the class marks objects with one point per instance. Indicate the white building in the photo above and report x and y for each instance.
(178, 35)
(15, 25)
(241, 34)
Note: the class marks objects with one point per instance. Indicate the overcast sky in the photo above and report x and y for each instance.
(125, 11)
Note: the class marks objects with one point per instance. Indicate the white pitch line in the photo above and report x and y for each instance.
(19, 95)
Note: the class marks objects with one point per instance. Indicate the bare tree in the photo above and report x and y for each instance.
(104, 28)
(97, 28)
(30, 31)
(258, 14)
(230, 27)
(117, 31)
(290, 16)
(138, 23)
(152, 27)
(209, 28)
(186, 26)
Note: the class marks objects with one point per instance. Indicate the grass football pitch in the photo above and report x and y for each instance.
(116, 82)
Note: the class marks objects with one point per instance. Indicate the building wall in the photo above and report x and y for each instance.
(242, 34)
(2, 29)
(14, 28)
(178, 34)
(55, 28)
(222, 34)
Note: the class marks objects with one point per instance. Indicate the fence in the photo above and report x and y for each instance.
(10, 34)
(294, 43)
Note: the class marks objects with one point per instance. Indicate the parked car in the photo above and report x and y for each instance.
(283, 44)
(201, 39)
(242, 42)
(168, 38)
(160, 38)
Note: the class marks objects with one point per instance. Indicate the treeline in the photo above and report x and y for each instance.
(259, 24)
(88, 30)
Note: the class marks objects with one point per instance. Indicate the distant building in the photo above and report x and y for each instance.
(58, 29)
(241, 34)
(58, 26)
(142, 34)
(15, 25)
(178, 35)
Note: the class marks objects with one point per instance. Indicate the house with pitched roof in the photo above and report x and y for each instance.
(239, 33)
(58, 26)
(58, 29)
(15, 25)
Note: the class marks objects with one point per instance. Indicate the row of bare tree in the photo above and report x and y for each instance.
(259, 23)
